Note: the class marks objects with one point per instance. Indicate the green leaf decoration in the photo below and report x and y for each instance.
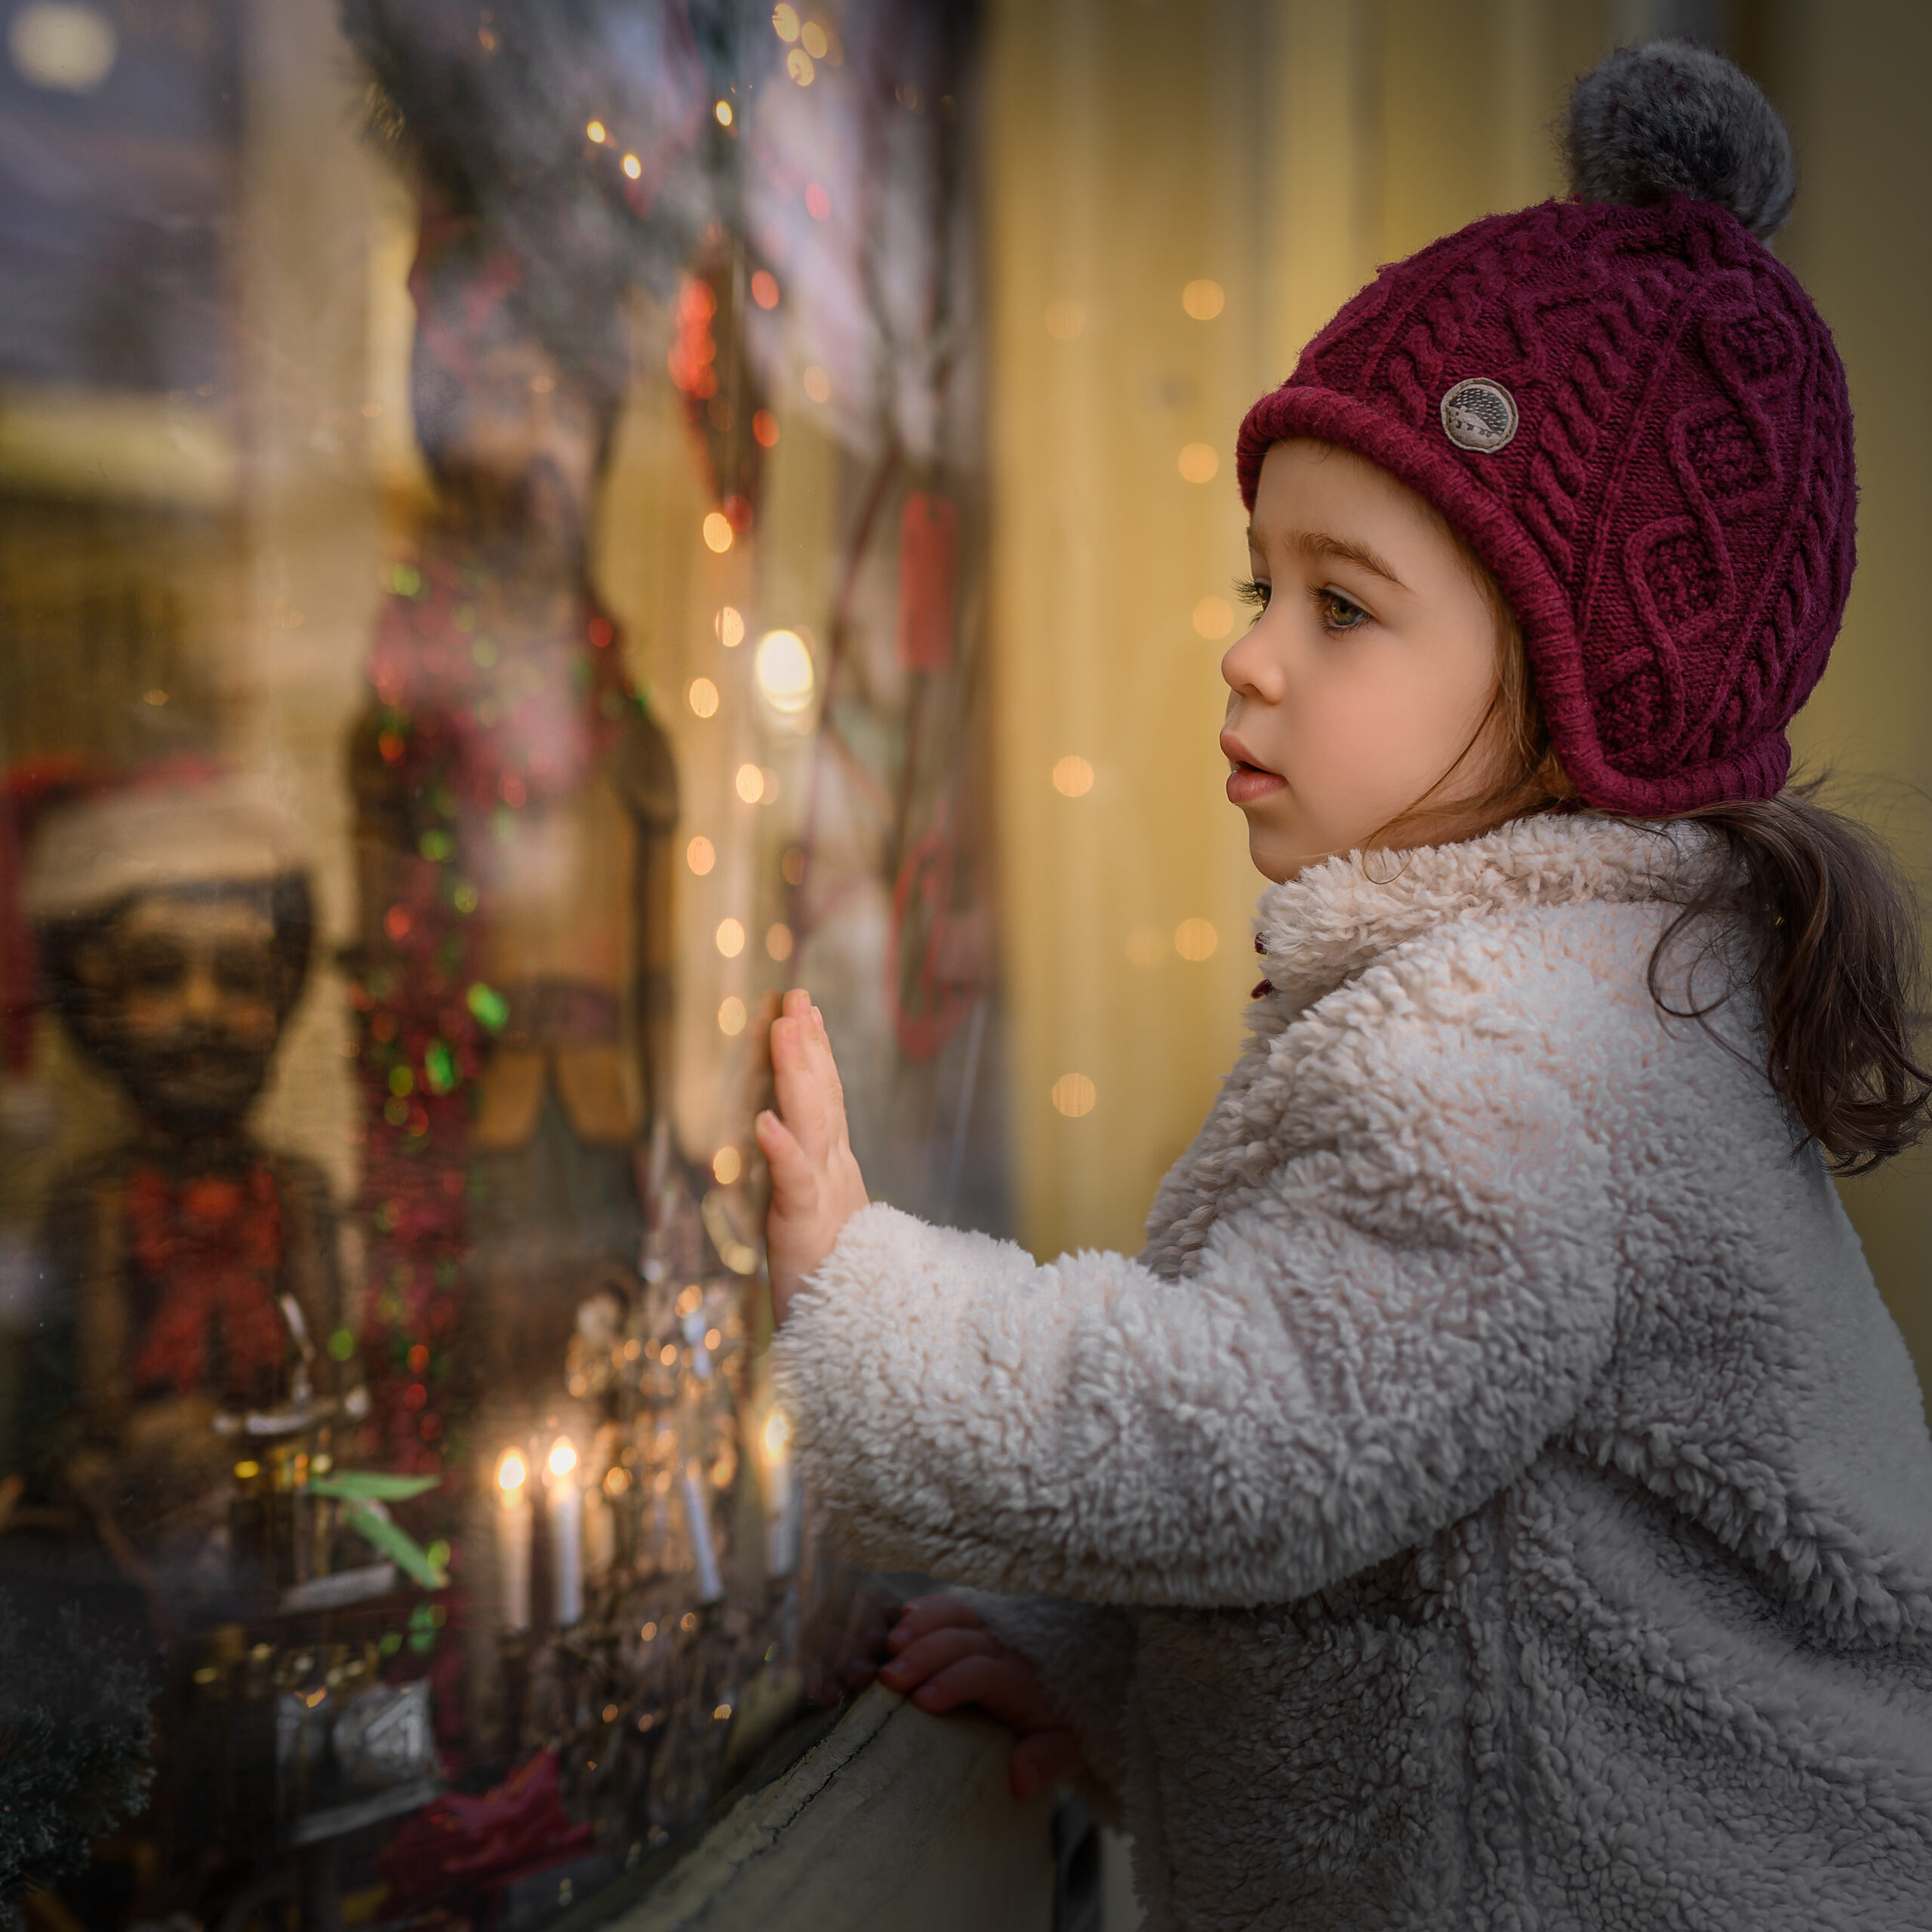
(362, 1485)
(397, 1544)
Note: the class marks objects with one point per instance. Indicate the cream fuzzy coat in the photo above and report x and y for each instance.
(1496, 1497)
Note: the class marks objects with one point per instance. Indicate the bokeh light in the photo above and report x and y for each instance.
(1213, 617)
(1198, 463)
(701, 694)
(717, 532)
(1073, 776)
(778, 941)
(700, 855)
(730, 938)
(1204, 300)
(783, 670)
(731, 1016)
(1073, 1095)
(728, 626)
(1195, 939)
(727, 1164)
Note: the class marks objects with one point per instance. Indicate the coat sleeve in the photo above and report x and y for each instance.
(1378, 1331)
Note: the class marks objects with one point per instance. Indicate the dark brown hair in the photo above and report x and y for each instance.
(1829, 931)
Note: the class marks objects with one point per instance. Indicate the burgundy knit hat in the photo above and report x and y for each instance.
(1635, 416)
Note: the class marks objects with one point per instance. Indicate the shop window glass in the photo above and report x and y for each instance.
(491, 559)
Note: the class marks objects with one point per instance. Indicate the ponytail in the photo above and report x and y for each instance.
(1831, 950)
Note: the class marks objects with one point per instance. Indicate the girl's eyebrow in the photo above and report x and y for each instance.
(1317, 544)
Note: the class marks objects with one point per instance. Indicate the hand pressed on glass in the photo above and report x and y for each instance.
(816, 1185)
(944, 1657)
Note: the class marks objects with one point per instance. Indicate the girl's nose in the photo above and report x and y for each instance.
(1248, 664)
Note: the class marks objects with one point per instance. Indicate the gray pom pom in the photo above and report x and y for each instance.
(1674, 119)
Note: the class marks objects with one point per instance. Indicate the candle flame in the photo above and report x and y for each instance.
(777, 1435)
(510, 1472)
(563, 1457)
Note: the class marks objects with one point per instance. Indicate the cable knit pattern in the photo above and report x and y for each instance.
(1672, 522)
(1496, 1497)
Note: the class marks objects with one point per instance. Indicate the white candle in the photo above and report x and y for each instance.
(566, 1534)
(781, 1496)
(513, 1541)
(704, 1551)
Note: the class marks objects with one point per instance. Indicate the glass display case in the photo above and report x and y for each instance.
(491, 559)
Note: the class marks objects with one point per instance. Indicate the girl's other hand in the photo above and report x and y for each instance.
(944, 1656)
(816, 1185)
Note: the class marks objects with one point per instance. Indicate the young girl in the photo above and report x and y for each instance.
(1496, 1497)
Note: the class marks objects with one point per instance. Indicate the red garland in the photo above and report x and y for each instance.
(469, 734)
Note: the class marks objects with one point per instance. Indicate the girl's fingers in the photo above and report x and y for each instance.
(933, 1653)
(923, 1615)
(1002, 1687)
(794, 1178)
(800, 1094)
(1042, 1757)
(818, 1052)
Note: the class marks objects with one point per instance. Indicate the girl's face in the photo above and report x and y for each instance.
(1359, 690)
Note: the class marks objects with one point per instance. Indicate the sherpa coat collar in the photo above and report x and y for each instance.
(1496, 1498)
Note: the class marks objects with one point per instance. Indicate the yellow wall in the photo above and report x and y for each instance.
(1283, 151)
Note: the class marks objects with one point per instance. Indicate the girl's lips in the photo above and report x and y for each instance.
(1247, 783)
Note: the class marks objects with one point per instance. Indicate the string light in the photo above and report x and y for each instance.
(717, 532)
(563, 1457)
(728, 626)
(723, 111)
(730, 937)
(750, 783)
(700, 855)
(701, 694)
(727, 1164)
(1195, 939)
(1204, 300)
(1073, 1095)
(1198, 463)
(598, 133)
(1073, 776)
(1213, 617)
(731, 1016)
(798, 65)
(785, 22)
(783, 671)
(632, 166)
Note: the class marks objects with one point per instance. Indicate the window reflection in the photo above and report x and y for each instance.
(399, 860)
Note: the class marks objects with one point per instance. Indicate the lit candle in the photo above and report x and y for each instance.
(781, 1527)
(513, 1541)
(566, 1533)
(704, 1551)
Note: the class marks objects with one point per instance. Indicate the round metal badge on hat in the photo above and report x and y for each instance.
(1478, 414)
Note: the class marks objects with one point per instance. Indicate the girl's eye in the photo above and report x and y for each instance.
(1339, 613)
(1252, 590)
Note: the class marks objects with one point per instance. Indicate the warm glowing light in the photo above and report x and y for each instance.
(597, 132)
(723, 111)
(1073, 776)
(765, 288)
(792, 865)
(750, 783)
(701, 694)
(727, 1164)
(729, 627)
(668, 1354)
(1195, 939)
(798, 65)
(1073, 1095)
(777, 1435)
(717, 532)
(1146, 948)
(648, 1633)
(764, 428)
(1198, 463)
(817, 383)
(818, 203)
(62, 45)
(1065, 319)
(785, 21)
(686, 1304)
(730, 937)
(700, 855)
(783, 670)
(511, 1474)
(731, 1016)
(632, 166)
(1214, 616)
(811, 37)
(778, 941)
(1204, 300)
(563, 1457)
